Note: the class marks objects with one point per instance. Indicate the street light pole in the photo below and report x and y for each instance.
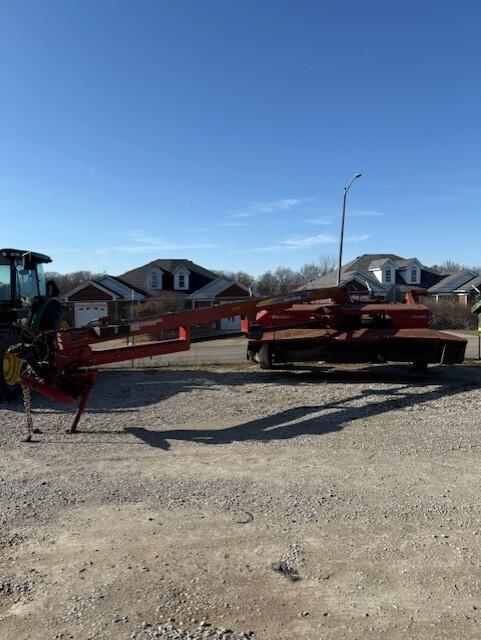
(343, 215)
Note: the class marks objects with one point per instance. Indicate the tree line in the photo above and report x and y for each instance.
(283, 279)
(272, 282)
(450, 266)
(67, 281)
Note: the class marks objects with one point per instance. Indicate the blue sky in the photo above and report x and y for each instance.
(224, 131)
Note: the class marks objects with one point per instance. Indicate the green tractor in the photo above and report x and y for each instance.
(27, 303)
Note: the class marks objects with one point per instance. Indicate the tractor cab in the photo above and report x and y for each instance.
(22, 284)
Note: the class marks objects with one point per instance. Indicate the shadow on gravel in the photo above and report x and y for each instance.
(305, 420)
(124, 390)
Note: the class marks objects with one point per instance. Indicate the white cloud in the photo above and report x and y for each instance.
(319, 221)
(284, 204)
(291, 244)
(358, 237)
(147, 244)
(310, 241)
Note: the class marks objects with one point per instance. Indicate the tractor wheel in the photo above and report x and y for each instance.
(55, 317)
(9, 369)
(265, 356)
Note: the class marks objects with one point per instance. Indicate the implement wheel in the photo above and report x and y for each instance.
(265, 356)
(9, 369)
(420, 366)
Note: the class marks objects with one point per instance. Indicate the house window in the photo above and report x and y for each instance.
(155, 279)
(181, 280)
(388, 275)
(414, 274)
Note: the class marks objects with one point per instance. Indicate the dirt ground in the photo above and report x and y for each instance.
(184, 487)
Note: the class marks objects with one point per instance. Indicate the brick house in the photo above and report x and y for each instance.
(105, 296)
(182, 284)
(161, 285)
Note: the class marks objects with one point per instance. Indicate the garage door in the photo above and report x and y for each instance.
(85, 313)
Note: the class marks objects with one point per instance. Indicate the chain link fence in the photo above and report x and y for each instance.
(131, 310)
(448, 313)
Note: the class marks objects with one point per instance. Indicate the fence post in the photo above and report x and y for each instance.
(132, 339)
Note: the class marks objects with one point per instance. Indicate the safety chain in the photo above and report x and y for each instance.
(27, 403)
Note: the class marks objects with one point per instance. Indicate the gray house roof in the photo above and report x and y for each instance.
(376, 264)
(362, 266)
(199, 277)
(330, 280)
(217, 286)
(364, 262)
(452, 282)
(118, 289)
(471, 284)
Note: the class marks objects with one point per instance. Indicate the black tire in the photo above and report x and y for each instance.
(420, 366)
(55, 317)
(7, 391)
(265, 356)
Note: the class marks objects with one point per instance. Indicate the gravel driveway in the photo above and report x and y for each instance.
(228, 502)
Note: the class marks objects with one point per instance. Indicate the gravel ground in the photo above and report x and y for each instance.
(229, 503)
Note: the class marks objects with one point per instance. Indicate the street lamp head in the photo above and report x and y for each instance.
(358, 175)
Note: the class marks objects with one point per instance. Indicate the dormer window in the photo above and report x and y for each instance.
(388, 275)
(154, 279)
(414, 274)
(181, 278)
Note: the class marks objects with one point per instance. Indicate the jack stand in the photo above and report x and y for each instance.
(83, 401)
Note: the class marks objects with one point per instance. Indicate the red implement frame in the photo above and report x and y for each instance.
(72, 362)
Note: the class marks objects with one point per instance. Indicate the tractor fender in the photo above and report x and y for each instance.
(50, 314)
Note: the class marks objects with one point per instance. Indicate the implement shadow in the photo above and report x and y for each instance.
(336, 415)
(124, 390)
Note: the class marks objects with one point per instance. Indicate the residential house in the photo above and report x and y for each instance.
(463, 286)
(382, 275)
(104, 296)
(163, 285)
(183, 284)
(172, 281)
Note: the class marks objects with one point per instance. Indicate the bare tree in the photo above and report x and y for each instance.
(239, 276)
(451, 266)
(267, 284)
(67, 281)
(327, 263)
(288, 280)
(313, 270)
(309, 272)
